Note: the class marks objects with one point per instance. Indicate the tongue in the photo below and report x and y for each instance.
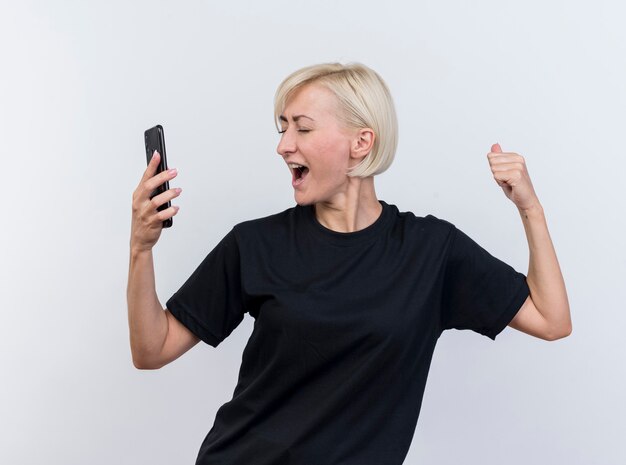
(299, 175)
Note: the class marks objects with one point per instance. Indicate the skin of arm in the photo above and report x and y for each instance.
(547, 307)
(155, 338)
(546, 312)
(146, 320)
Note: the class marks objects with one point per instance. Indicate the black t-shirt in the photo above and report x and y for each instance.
(345, 327)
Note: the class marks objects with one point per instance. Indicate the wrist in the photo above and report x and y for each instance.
(534, 210)
(139, 251)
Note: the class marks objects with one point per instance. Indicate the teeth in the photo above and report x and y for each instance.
(294, 165)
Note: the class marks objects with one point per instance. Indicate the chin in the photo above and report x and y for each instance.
(300, 200)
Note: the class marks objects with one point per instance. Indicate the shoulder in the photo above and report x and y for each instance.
(273, 225)
(428, 223)
(273, 219)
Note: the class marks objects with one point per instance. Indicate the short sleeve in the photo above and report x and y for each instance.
(480, 292)
(209, 303)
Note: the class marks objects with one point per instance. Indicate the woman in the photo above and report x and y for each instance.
(349, 294)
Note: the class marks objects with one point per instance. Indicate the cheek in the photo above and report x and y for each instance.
(333, 158)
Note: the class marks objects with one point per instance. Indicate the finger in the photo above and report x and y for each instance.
(508, 166)
(165, 197)
(167, 213)
(507, 156)
(157, 180)
(503, 157)
(510, 177)
(152, 166)
(496, 148)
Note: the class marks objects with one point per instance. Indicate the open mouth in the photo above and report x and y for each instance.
(298, 172)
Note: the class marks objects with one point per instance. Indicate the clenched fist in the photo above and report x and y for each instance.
(509, 171)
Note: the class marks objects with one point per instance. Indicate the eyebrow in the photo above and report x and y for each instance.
(295, 118)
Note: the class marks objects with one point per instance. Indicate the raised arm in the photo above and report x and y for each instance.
(546, 313)
(156, 337)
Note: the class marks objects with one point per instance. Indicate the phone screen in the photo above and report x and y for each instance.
(155, 140)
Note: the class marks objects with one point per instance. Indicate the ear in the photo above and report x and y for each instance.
(362, 143)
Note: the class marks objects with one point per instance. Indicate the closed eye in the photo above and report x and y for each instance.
(299, 130)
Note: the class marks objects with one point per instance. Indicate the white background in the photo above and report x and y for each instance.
(80, 82)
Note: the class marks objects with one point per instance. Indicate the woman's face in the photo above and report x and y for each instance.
(313, 137)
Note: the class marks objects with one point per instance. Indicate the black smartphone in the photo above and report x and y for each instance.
(155, 140)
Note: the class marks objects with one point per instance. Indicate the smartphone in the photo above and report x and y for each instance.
(155, 140)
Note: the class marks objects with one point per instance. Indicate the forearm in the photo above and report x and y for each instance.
(547, 287)
(146, 319)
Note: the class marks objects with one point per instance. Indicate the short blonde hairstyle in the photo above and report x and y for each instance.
(365, 102)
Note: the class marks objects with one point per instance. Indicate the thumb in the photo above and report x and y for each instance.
(496, 148)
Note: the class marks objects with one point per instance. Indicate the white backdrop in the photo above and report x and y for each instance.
(81, 81)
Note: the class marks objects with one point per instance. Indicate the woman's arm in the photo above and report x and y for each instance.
(156, 337)
(545, 313)
(146, 320)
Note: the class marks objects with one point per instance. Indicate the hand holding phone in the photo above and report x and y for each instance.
(152, 210)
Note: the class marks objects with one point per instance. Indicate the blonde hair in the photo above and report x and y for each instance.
(365, 102)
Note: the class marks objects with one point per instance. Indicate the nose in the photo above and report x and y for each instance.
(287, 144)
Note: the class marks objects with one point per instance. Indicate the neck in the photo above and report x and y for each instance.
(354, 209)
